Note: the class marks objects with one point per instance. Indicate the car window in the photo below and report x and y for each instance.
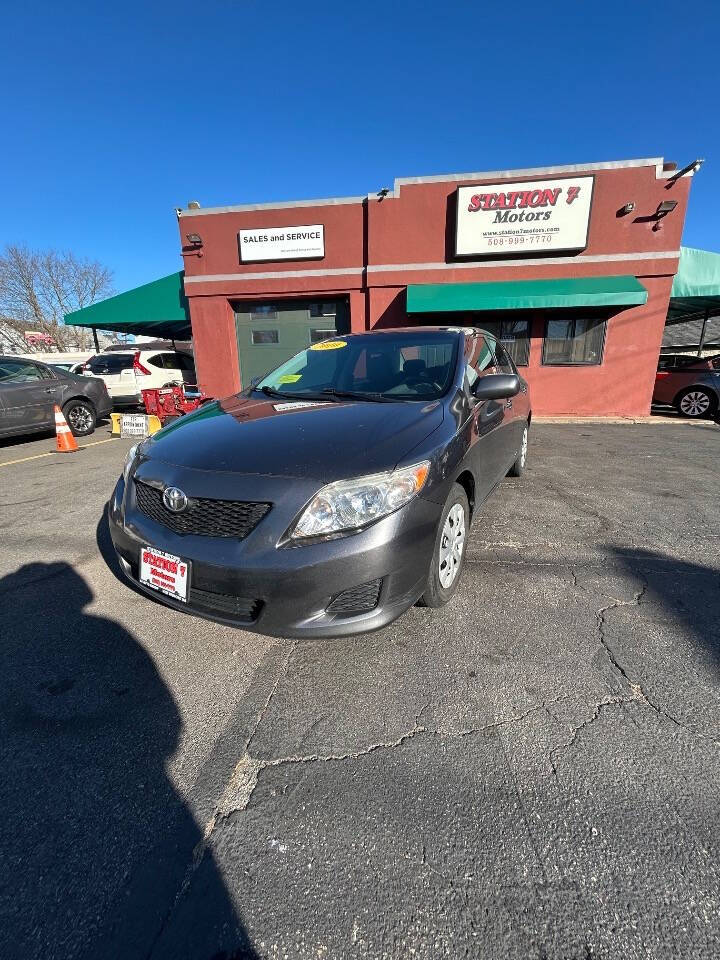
(110, 362)
(21, 371)
(157, 361)
(504, 363)
(183, 361)
(481, 361)
(673, 361)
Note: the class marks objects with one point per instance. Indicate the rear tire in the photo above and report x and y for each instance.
(696, 402)
(518, 468)
(449, 554)
(81, 417)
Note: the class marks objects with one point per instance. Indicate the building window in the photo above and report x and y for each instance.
(265, 336)
(323, 309)
(317, 335)
(264, 311)
(514, 335)
(578, 340)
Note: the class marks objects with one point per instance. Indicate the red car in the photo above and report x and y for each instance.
(690, 384)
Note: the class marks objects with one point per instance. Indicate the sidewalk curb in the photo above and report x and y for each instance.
(626, 420)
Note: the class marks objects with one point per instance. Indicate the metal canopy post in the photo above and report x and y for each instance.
(95, 338)
(703, 331)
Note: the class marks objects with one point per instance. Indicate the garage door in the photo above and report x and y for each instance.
(270, 333)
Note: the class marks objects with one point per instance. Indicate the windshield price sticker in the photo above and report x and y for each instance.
(298, 405)
(290, 378)
(329, 345)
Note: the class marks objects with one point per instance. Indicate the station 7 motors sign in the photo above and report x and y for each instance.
(535, 216)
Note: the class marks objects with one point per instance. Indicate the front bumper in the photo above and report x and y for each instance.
(290, 587)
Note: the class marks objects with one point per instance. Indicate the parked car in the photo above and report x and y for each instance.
(29, 391)
(690, 384)
(126, 373)
(334, 493)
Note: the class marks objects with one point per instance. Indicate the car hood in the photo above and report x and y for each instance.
(278, 437)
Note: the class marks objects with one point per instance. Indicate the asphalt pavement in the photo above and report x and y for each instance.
(531, 772)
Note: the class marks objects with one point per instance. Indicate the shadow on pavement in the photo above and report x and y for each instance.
(688, 593)
(96, 841)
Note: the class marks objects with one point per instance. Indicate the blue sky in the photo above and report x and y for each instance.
(113, 115)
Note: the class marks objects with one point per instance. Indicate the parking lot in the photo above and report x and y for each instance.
(530, 772)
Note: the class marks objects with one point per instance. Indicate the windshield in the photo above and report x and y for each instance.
(415, 365)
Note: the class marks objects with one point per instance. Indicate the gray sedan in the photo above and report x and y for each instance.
(29, 391)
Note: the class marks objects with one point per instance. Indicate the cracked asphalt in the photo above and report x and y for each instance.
(533, 772)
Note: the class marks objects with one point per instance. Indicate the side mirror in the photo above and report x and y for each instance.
(496, 386)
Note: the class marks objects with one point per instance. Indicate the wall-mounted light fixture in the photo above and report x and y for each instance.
(663, 209)
(194, 238)
(628, 208)
(382, 193)
(692, 167)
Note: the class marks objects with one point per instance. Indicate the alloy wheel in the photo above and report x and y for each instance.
(452, 543)
(695, 404)
(80, 418)
(524, 447)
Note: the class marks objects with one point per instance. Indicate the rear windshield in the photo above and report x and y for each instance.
(412, 366)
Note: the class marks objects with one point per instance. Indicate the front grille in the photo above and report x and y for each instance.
(203, 517)
(239, 608)
(357, 599)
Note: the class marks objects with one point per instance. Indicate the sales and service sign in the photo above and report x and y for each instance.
(282, 243)
(534, 216)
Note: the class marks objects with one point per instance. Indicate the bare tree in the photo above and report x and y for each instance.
(37, 289)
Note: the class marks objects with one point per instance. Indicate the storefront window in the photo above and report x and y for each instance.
(264, 311)
(265, 336)
(323, 309)
(514, 336)
(577, 340)
(324, 334)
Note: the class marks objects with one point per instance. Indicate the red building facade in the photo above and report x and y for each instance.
(372, 260)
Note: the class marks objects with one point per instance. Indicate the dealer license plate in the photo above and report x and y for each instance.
(164, 572)
(133, 425)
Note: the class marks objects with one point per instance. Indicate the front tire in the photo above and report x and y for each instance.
(449, 553)
(518, 468)
(81, 417)
(696, 402)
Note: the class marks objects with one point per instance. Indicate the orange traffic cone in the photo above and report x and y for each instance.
(66, 442)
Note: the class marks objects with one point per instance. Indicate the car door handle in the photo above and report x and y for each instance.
(50, 389)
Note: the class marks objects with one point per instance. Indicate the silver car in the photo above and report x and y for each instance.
(29, 391)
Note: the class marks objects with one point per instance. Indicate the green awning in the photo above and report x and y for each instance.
(525, 294)
(696, 287)
(157, 309)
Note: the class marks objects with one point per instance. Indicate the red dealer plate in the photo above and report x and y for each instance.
(164, 572)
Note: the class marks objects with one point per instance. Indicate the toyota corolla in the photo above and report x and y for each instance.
(331, 495)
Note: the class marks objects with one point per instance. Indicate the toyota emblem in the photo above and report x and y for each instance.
(175, 500)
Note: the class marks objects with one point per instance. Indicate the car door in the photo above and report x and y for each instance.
(488, 443)
(116, 370)
(676, 373)
(29, 392)
(515, 409)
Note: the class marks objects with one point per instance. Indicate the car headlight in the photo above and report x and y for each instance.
(130, 459)
(353, 504)
(130, 456)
